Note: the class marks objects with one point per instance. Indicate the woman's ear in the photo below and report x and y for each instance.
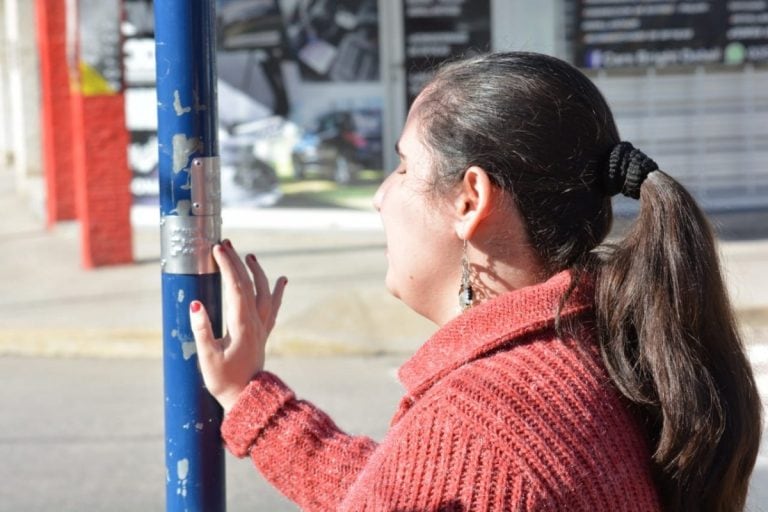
(473, 202)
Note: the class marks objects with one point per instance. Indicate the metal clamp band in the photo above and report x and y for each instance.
(186, 243)
(205, 174)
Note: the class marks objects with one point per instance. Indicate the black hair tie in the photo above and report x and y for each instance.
(627, 169)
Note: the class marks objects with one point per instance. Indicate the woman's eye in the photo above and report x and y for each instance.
(400, 170)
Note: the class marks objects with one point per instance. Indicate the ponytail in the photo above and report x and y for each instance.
(670, 342)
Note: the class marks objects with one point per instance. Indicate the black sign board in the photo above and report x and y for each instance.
(437, 30)
(643, 33)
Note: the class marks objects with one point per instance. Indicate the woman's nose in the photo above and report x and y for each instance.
(378, 197)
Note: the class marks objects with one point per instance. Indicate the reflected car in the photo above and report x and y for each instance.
(339, 146)
(250, 24)
(245, 178)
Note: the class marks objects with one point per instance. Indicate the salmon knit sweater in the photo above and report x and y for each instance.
(499, 414)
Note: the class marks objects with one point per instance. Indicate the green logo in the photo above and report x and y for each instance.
(735, 54)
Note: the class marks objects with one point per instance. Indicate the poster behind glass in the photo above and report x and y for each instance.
(335, 40)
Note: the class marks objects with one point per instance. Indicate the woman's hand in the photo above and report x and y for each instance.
(229, 363)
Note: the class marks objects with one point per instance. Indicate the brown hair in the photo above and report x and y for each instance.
(543, 132)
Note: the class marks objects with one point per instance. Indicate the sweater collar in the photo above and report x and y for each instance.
(491, 325)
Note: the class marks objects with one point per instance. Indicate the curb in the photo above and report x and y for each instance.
(285, 342)
(86, 343)
(126, 344)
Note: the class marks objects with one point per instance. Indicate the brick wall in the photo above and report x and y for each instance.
(55, 111)
(102, 179)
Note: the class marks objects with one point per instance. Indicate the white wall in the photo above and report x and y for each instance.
(21, 94)
(5, 117)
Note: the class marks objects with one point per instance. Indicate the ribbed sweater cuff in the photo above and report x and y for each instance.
(261, 400)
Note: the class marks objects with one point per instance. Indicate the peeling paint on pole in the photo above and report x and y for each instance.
(180, 111)
(183, 148)
(182, 471)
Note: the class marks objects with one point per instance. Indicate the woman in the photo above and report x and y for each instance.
(566, 375)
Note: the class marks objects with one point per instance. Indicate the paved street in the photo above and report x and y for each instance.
(87, 434)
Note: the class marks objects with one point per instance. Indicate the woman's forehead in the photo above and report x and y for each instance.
(409, 142)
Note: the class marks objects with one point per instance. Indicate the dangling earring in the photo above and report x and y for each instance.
(466, 294)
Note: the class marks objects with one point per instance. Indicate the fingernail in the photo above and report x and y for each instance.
(228, 243)
(251, 257)
(194, 306)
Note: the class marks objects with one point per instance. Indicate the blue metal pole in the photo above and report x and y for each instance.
(190, 222)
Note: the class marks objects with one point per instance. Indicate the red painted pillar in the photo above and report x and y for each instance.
(100, 138)
(55, 110)
(102, 179)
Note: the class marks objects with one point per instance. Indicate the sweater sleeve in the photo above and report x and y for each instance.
(296, 446)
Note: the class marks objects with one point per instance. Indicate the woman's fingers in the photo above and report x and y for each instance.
(261, 285)
(260, 281)
(267, 303)
(277, 300)
(236, 264)
(201, 328)
(237, 288)
(234, 274)
(205, 342)
(248, 301)
(229, 274)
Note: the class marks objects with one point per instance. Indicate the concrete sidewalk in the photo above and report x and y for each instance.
(335, 302)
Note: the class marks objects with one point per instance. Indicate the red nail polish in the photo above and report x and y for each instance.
(228, 243)
(251, 257)
(194, 306)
